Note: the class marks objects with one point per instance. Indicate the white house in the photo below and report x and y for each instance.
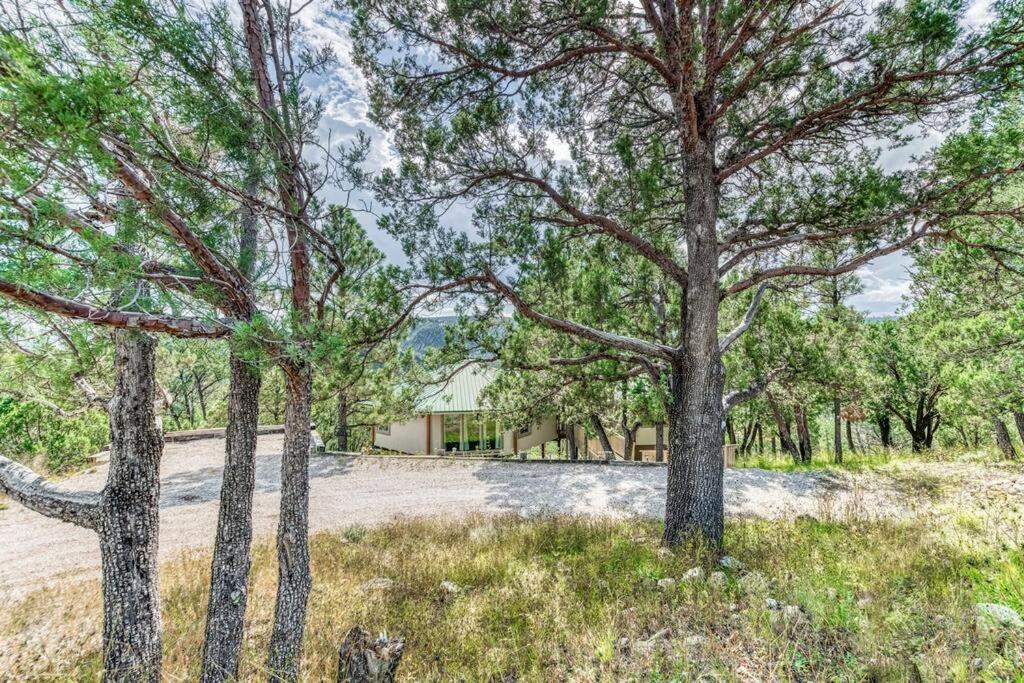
(450, 418)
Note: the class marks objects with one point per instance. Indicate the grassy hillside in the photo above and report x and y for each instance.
(557, 598)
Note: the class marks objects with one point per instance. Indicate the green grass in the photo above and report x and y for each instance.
(873, 459)
(553, 598)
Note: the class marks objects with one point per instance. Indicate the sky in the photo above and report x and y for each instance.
(885, 280)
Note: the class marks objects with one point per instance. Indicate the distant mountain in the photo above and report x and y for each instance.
(427, 334)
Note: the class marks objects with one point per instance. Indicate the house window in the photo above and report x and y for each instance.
(474, 432)
(525, 431)
(453, 432)
(384, 430)
(492, 435)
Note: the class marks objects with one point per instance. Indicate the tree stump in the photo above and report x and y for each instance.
(363, 659)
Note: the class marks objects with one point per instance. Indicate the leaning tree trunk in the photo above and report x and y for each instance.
(694, 503)
(782, 426)
(343, 422)
(229, 571)
(570, 441)
(293, 576)
(659, 442)
(602, 435)
(229, 579)
(1003, 438)
(803, 434)
(885, 431)
(1018, 420)
(129, 518)
(849, 436)
(124, 514)
(837, 431)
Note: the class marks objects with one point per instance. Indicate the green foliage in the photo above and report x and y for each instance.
(29, 431)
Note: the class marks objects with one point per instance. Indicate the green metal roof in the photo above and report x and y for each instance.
(460, 394)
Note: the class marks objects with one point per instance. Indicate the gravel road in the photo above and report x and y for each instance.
(35, 550)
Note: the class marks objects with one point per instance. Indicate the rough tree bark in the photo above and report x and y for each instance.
(803, 433)
(364, 659)
(782, 424)
(695, 507)
(837, 431)
(885, 431)
(571, 446)
(293, 575)
(1018, 419)
(285, 142)
(229, 574)
(129, 518)
(124, 514)
(1003, 438)
(342, 421)
(602, 435)
(230, 567)
(849, 436)
(659, 442)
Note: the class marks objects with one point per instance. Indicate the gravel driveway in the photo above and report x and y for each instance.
(36, 550)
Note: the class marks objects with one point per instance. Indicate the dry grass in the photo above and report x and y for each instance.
(558, 598)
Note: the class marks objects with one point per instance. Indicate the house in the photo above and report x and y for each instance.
(450, 419)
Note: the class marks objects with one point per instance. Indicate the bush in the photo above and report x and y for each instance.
(29, 431)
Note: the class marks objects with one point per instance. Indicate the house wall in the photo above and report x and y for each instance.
(540, 432)
(405, 437)
(644, 444)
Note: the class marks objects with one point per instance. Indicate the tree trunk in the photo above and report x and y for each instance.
(849, 436)
(782, 424)
(749, 432)
(128, 521)
(229, 578)
(885, 431)
(837, 431)
(343, 422)
(694, 503)
(293, 577)
(627, 435)
(659, 442)
(571, 446)
(363, 659)
(229, 573)
(1003, 438)
(602, 435)
(803, 433)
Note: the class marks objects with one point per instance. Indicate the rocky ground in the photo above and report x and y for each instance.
(37, 551)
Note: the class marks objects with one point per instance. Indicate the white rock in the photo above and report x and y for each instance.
(695, 574)
(772, 604)
(718, 579)
(450, 588)
(794, 613)
(379, 583)
(666, 584)
(754, 583)
(731, 563)
(995, 617)
(647, 646)
(695, 641)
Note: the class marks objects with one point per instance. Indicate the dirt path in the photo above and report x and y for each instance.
(36, 550)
